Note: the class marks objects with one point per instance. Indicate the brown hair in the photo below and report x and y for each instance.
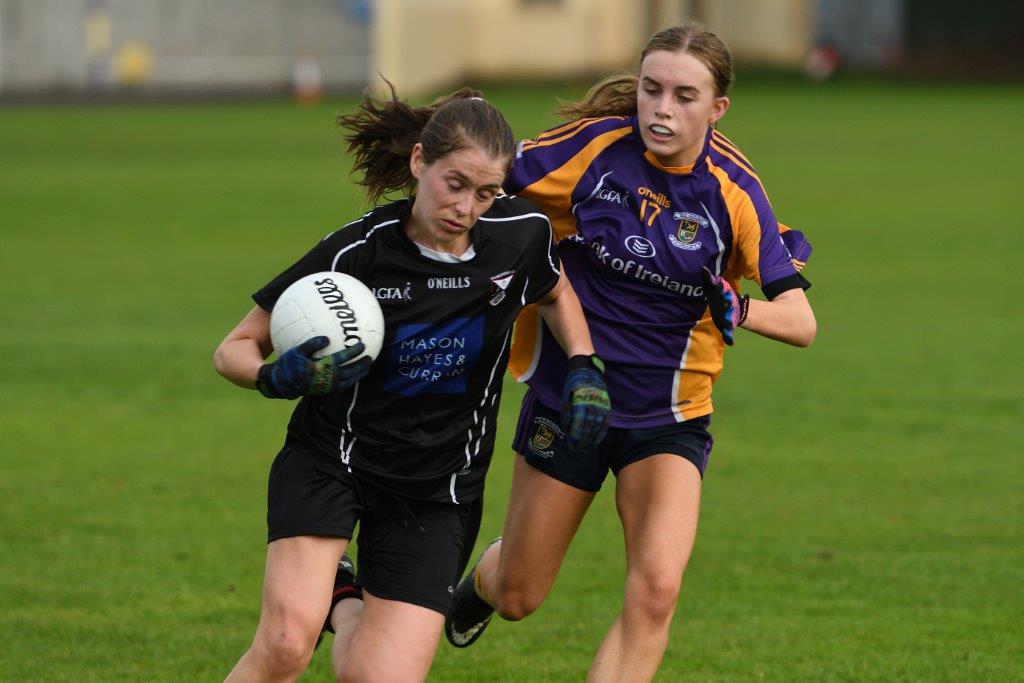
(616, 95)
(382, 134)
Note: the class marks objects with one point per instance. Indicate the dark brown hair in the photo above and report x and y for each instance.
(616, 95)
(382, 133)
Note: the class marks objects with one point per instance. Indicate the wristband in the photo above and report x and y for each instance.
(582, 361)
(263, 381)
(744, 306)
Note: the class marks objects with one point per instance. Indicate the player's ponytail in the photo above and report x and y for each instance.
(382, 133)
(616, 95)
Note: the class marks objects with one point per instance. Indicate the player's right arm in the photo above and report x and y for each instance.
(239, 357)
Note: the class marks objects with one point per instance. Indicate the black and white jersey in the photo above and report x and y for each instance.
(422, 422)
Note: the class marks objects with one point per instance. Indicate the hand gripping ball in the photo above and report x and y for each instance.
(335, 305)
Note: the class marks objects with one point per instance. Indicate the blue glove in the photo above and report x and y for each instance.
(296, 373)
(728, 311)
(586, 407)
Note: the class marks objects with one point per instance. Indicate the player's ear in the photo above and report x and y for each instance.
(718, 110)
(416, 162)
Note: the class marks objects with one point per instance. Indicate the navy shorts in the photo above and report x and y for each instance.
(409, 550)
(539, 438)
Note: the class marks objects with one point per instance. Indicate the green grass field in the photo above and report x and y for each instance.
(862, 514)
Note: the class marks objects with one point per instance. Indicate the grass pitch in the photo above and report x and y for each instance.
(862, 510)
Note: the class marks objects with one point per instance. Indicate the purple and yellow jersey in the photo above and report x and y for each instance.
(633, 235)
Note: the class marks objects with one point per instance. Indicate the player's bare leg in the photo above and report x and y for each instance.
(516, 574)
(394, 641)
(345, 619)
(296, 592)
(658, 499)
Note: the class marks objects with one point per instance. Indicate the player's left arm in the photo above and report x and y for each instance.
(771, 255)
(560, 308)
(787, 318)
(586, 407)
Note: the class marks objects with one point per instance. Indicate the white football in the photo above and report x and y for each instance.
(335, 305)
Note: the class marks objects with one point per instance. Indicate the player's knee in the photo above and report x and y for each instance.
(515, 607)
(287, 648)
(653, 596)
(517, 601)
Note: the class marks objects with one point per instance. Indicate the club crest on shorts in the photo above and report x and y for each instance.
(686, 232)
(544, 434)
(499, 283)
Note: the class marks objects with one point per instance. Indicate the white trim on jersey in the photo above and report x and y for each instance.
(551, 234)
(451, 486)
(444, 256)
(600, 184)
(514, 218)
(347, 452)
(347, 225)
(718, 239)
(674, 399)
(477, 420)
(334, 263)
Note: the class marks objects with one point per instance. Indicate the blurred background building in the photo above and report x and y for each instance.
(224, 48)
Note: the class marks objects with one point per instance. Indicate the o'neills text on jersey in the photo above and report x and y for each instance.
(335, 300)
(448, 282)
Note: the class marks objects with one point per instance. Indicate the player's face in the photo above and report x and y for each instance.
(676, 103)
(452, 193)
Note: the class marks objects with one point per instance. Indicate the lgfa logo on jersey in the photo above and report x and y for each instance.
(393, 293)
(686, 231)
(499, 283)
(613, 196)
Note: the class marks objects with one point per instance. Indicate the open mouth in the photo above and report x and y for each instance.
(660, 132)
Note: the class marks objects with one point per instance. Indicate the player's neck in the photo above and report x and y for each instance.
(422, 235)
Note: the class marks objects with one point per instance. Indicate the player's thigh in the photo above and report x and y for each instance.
(412, 551)
(298, 582)
(395, 641)
(658, 499)
(542, 518)
(312, 508)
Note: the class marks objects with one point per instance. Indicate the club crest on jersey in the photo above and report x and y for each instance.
(543, 436)
(686, 232)
(499, 283)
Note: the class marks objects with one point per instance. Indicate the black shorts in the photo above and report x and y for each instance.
(409, 550)
(540, 440)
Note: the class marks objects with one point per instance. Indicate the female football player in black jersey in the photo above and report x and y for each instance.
(401, 445)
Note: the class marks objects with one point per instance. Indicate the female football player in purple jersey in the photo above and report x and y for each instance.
(658, 217)
(401, 446)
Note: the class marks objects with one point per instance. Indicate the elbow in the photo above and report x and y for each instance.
(805, 337)
(219, 361)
